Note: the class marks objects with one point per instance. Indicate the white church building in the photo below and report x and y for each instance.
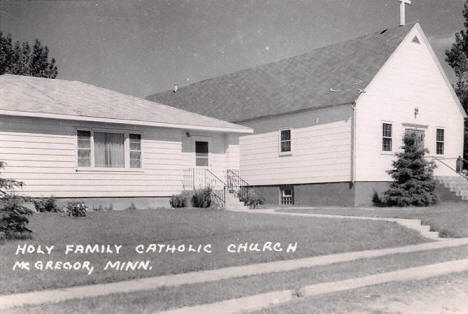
(327, 124)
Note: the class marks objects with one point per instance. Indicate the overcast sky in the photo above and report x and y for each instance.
(142, 47)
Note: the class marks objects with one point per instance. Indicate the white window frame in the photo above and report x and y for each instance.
(283, 196)
(437, 141)
(201, 138)
(281, 153)
(383, 137)
(126, 134)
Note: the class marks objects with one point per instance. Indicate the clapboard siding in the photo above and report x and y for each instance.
(321, 146)
(410, 79)
(42, 154)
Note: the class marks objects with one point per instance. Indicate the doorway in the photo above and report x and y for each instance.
(420, 134)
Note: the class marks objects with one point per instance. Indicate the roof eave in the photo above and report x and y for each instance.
(239, 130)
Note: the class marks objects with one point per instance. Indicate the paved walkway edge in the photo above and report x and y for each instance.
(261, 301)
(409, 223)
(58, 295)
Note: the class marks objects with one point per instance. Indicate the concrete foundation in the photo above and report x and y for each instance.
(326, 194)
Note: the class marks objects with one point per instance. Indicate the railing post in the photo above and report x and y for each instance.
(459, 165)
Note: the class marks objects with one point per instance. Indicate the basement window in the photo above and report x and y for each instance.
(287, 194)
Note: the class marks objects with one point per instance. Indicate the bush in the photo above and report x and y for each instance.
(413, 181)
(131, 207)
(76, 209)
(13, 214)
(178, 201)
(202, 198)
(14, 219)
(250, 198)
(376, 200)
(48, 204)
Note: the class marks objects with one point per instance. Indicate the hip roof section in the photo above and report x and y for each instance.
(73, 100)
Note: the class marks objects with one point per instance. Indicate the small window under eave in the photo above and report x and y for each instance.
(416, 40)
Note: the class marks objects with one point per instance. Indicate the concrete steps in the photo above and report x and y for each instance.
(233, 203)
(457, 185)
(417, 225)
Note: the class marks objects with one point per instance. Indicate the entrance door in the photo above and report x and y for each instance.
(201, 163)
(419, 135)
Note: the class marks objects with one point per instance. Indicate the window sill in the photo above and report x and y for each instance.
(285, 154)
(84, 169)
(387, 153)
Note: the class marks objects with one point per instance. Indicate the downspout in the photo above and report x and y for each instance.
(353, 143)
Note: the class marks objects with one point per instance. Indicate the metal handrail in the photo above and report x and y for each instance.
(449, 167)
(219, 194)
(236, 184)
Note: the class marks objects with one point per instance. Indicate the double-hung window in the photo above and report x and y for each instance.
(387, 137)
(98, 149)
(84, 148)
(440, 141)
(285, 141)
(135, 150)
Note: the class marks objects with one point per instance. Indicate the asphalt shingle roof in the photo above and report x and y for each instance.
(25, 94)
(293, 84)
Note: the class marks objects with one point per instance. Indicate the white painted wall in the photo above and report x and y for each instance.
(321, 146)
(42, 154)
(411, 78)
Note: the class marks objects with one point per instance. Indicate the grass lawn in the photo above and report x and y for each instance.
(450, 219)
(189, 295)
(189, 226)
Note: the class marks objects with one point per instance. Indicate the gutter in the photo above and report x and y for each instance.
(240, 130)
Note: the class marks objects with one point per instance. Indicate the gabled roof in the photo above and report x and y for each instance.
(327, 76)
(72, 100)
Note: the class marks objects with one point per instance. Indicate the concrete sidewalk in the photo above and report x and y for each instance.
(58, 295)
(414, 224)
(274, 298)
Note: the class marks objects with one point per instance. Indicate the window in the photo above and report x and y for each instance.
(287, 195)
(84, 148)
(440, 139)
(285, 141)
(108, 149)
(201, 154)
(135, 150)
(386, 137)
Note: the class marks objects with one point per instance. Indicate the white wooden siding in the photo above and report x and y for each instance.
(42, 154)
(410, 79)
(321, 146)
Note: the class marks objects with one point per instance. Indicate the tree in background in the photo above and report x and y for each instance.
(413, 181)
(19, 58)
(457, 58)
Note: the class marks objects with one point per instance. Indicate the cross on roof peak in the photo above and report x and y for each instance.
(403, 4)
